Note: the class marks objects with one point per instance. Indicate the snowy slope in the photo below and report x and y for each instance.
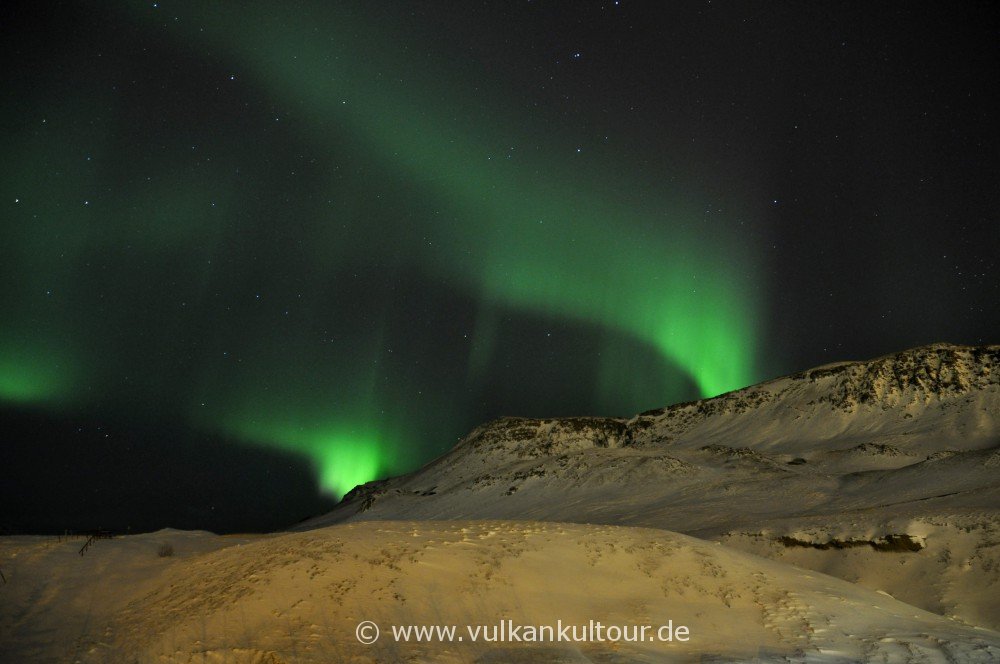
(891, 463)
(298, 597)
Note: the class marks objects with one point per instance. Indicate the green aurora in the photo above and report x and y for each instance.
(439, 187)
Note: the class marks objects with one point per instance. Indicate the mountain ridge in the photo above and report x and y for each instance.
(924, 373)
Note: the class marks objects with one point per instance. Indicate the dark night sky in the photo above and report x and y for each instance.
(256, 253)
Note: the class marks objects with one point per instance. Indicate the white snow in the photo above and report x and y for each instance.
(298, 597)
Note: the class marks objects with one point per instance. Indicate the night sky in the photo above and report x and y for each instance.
(256, 253)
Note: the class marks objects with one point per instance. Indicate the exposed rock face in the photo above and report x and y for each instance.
(932, 372)
(923, 375)
(899, 387)
(531, 438)
(877, 458)
(882, 397)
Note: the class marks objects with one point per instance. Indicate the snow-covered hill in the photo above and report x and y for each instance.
(883, 472)
(299, 597)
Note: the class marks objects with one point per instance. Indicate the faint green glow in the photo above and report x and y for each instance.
(484, 339)
(19, 385)
(23, 381)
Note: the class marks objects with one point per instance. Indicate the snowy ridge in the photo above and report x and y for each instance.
(952, 390)
(930, 401)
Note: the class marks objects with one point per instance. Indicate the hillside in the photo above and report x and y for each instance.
(298, 597)
(881, 472)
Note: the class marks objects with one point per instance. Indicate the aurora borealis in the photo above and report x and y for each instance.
(347, 233)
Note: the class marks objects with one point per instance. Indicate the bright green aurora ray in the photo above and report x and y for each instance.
(344, 457)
